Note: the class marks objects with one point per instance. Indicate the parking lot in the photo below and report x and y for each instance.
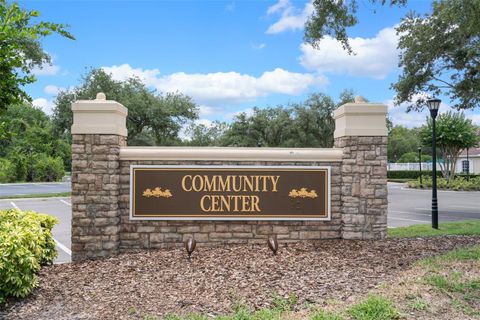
(406, 207)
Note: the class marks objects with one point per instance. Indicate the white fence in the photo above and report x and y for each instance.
(410, 166)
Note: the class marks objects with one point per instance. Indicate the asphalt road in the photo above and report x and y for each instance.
(21, 189)
(411, 206)
(406, 207)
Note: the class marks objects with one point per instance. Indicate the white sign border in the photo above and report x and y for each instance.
(328, 218)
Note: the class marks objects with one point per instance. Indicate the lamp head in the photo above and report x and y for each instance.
(433, 106)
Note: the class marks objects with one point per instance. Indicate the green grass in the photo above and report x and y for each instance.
(471, 227)
(374, 308)
(472, 253)
(467, 292)
(39, 195)
(418, 304)
(463, 292)
(324, 315)
(281, 306)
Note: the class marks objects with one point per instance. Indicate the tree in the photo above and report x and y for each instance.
(440, 54)
(402, 140)
(410, 157)
(454, 134)
(29, 148)
(153, 119)
(21, 50)
(268, 127)
(306, 124)
(203, 135)
(333, 17)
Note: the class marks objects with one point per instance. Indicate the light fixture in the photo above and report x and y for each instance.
(190, 245)
(273, 244)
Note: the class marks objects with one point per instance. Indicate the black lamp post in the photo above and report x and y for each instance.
(433, 105)
(420, 165)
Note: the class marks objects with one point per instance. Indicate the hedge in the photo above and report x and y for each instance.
(407, 174)
(26, 243)
(415, 174)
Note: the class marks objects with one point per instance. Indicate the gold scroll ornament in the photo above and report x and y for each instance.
(303, 193)
(157, 193)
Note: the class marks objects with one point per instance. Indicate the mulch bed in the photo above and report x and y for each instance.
(163, 281)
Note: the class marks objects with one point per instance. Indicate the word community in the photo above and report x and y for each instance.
(230, 183)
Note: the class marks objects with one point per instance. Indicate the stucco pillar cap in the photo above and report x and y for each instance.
(99, 116)
(360, 118)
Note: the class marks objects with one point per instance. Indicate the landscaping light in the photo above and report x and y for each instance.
(273, 244)
(433, 105)
(190, 245)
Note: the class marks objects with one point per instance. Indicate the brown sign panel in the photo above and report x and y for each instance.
(229, 193)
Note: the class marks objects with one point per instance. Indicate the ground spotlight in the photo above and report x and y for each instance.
(190, 245)
(273, 244)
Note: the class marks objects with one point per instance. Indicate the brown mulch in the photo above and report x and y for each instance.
(163, 281)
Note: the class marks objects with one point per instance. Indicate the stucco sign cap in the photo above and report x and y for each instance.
(99, 116)
(360, 118)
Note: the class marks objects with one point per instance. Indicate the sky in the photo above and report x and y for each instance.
(230, 56)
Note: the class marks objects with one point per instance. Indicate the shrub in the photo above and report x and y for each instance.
(458, 183)
(26, 243)
(7, 171)
(45, 168)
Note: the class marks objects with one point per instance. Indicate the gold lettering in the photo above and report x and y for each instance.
(248, 181)
(210, 184)
(225, 204)
(183, 183)
(255, 203)
(245, 203)
(197, 183)
(274, 182)
(224, 184)
(236, 187)
(202, 204)
(257, 182)
(236, 203)
(264, 178)
(215, 206)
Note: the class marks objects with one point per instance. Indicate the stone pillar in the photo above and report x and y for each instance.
(361, 131)
(98, 131)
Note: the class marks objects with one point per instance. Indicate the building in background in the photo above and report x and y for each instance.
(471, 164)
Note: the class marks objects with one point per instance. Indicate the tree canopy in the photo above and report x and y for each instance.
(153, 118)
(28, 151)
(410, 157)
(21, 50)
(402, 140)
(440, 54)
(305, 124)
(439, 51)
(333, 17)
(454, 133)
